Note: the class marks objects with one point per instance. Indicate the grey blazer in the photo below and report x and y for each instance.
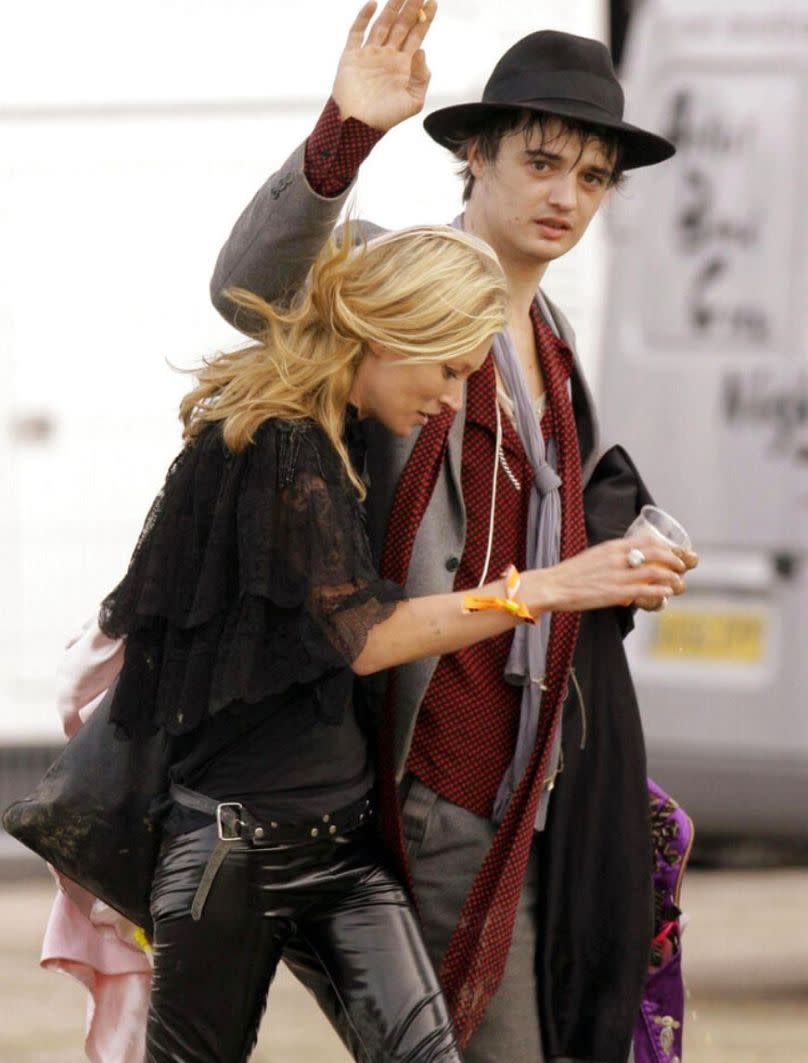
(269, 252)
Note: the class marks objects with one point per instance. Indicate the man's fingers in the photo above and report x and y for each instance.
(419, 71)
(408, 17)
(356, 34)
(380, 30)
(420, 28)
(401, 24)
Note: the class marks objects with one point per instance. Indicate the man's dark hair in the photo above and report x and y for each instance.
(489, 134)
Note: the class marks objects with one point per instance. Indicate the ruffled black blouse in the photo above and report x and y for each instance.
(252, 574)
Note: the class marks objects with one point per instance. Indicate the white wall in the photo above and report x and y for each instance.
(130, 141)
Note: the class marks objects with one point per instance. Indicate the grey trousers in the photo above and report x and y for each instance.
(446, 846)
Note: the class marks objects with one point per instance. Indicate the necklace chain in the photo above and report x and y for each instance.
(508, 470)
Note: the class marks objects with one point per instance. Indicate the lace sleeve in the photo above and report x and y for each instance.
(320, 551)
(253, 574)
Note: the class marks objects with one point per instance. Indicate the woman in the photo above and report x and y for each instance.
(250, 602)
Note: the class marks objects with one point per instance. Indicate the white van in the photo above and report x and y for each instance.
(705, 380)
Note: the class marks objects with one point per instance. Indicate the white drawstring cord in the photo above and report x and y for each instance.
(490, 546)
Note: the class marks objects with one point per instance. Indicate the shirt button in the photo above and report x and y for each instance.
(452, 564)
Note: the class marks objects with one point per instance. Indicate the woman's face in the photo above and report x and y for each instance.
(403, 395)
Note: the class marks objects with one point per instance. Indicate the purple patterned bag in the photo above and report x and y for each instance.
(658, 1033)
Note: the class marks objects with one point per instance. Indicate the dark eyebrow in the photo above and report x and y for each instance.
(533, 152)
(599, 171)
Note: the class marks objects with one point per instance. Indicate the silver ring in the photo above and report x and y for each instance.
(635, 558)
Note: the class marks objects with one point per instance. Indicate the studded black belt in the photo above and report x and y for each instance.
(235, 823)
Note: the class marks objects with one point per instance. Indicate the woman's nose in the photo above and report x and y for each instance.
(453, 395)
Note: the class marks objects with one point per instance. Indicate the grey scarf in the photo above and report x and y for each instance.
(526, 661)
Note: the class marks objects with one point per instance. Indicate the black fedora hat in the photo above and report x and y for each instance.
(559, 74)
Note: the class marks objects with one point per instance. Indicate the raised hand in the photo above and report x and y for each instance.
(382, 79)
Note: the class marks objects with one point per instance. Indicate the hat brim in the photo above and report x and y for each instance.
(452, 125)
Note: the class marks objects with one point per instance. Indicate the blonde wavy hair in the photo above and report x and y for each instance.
(428, 293)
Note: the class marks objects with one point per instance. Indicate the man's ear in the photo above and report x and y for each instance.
(474, 160)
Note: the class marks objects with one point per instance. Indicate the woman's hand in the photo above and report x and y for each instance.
(652, 605)
(383, 80)
(601, 577)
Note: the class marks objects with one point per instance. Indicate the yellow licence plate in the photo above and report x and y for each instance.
(727, 635)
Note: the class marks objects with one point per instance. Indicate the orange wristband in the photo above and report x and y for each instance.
(473, 603)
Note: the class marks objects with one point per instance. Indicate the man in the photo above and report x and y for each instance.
(537, 912)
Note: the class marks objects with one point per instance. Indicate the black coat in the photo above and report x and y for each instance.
(595, 897)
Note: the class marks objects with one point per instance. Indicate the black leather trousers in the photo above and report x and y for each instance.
(211, 977)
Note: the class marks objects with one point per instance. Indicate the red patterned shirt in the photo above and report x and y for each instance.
(466, 730)
(335, 151)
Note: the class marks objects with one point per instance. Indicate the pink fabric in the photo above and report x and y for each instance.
(86, 938)
(90, 664)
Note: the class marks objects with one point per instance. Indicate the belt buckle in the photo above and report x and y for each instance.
(220, 827)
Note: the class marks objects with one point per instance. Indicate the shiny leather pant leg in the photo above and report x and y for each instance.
(387, 992)
(305, 965)
(211, 977)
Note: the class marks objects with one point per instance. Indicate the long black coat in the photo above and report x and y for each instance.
(596, 910)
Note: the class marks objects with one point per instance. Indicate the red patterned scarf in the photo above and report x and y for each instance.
(475, 959)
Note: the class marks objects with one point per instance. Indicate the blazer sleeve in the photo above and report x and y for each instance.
(275, 240)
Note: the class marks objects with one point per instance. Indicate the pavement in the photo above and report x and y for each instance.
(746, 964)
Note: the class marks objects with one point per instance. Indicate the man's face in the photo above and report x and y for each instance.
(534, 201)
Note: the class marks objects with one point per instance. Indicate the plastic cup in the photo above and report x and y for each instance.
(661, 525)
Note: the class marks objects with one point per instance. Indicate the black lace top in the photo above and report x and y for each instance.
(252, 578)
